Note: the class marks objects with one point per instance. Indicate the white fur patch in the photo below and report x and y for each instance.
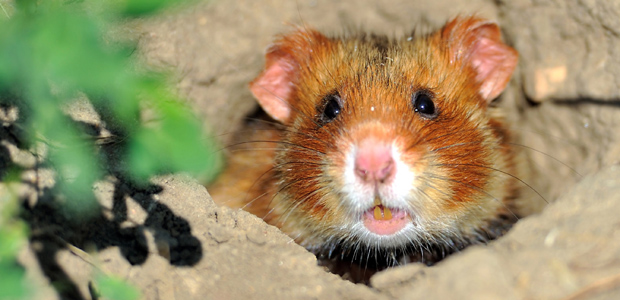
(358, 197)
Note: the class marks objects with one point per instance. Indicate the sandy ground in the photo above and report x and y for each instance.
(172, 242)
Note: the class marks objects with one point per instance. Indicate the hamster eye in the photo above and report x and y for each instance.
(423, 104)
(331, 109)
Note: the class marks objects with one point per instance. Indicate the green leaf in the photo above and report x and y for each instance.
(12, 285)
(52, 50)
(176, 146)
(115, 288)
(142, 7)
(12, 238)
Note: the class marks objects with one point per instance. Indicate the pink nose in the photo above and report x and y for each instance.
(374, 162)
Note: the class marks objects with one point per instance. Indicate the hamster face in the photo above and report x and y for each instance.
(388, 173)
(389, 144)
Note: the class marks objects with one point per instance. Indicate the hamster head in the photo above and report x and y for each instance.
(389, 143)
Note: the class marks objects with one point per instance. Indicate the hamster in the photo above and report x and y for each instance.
(387, 150)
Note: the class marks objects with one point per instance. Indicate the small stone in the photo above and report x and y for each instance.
(257, 236)
(220, 234)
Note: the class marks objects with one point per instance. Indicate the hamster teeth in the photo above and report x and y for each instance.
(377, 213)
(387, 214)
(382, 213)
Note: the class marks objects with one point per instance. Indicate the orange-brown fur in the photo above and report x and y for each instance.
(463, 154)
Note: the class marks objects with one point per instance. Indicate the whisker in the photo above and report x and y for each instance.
(447, 134)
(548, 155)
(282, 188)
(542, 134)
(513, 144)
(456, 145)
(268, 149)
(267, 172)
(434, 176)
(497, 170)
(479, 189)
(248, 203)
(290, 210)
(275, 142)
(301, 162)
(261, 195)
(283, 128)
(269, 122)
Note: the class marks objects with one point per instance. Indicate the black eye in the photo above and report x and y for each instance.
(423, 104)
(331, 109)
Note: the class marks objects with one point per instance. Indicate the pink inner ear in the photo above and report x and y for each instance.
(478, 42)
(274, 88)
(494, 62)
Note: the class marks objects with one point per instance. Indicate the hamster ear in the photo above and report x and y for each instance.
(276, 86)
(477, 42)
